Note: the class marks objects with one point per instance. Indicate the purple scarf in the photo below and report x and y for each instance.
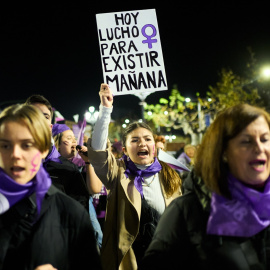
(78, 161)
(131, 169)
(246, 214)
(53, 156)
(12, 192)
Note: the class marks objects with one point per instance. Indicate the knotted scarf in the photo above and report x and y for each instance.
(53, 156)
(11, 192)
(246, 214)
(131, 169)
(78, 161)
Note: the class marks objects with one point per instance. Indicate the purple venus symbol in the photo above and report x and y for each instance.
(149, 39)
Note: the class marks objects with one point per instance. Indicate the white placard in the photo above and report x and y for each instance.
(176, 164)
(131, 54)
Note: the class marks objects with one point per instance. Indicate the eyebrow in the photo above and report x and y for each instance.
(145, 136)
(23, 140)
(47, 114)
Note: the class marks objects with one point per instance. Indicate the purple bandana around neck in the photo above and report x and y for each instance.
(12, 192)
(53, 156)
(131, 169)
(246, 214)
(78, 161)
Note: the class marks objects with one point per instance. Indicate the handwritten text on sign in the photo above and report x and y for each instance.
(131, 54)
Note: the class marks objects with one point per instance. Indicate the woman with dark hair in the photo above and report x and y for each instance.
(223, 221)
(139, 188)
(40, 227)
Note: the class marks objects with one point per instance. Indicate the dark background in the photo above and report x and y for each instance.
(53, 50)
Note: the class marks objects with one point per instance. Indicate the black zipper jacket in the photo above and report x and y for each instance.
(180, 240)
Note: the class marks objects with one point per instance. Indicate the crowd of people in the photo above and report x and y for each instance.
(115, 205)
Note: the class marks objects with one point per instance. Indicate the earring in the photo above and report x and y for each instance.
(224, 158)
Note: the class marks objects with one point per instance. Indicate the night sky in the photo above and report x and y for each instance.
(53, 49)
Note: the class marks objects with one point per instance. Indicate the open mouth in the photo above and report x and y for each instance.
(142, 153)
(258, 163)
(16, 170)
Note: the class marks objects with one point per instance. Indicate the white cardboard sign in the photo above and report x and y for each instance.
(131, 54)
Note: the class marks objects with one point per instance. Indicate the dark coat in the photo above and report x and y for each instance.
(181, 238)
(62, 236)
(67, 177)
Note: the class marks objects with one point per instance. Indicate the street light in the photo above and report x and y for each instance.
(91, 115)
(142, 96)
(170, 138)
(264, 74)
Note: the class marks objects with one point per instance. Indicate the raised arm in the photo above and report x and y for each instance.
(101, 129)
(93, 183)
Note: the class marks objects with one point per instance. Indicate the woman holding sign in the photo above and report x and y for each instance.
(139, 188)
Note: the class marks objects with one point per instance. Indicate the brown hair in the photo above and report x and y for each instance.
(41, 100)
(159, 138)
(171, 179)
(132, 126)
(228, 124)
(57, 140)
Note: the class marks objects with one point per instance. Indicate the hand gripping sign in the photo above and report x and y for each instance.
(131, 53)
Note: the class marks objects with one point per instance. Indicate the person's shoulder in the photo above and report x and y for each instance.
(63, 201)
(64, 165)
(190, 196)
(68, 163)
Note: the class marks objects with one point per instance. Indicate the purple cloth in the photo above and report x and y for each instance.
(80, 136)
(78, 161)
(118, 146)
(184, 159)
(12, 192)
(53, 156)
(246, 214)
(59, 128)
(131, 169)
(101, 213)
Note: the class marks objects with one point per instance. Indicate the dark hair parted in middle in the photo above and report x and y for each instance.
(170, 177)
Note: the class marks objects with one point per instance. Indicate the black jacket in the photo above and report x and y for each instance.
(181, 240)
(66, 177)
(62, 236)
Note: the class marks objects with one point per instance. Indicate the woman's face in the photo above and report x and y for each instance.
(19, 156)
(140, 146)
(248, 154)
(67, 146)
(190, 151)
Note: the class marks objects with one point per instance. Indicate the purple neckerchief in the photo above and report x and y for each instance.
(78, 161)
(12, 192)
(246, 214)
(139, 174)
(184, 156)
(53, 156)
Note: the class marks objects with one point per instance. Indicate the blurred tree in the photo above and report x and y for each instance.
(115, 131)
(193, 117)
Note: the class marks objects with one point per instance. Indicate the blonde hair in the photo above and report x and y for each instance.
(33, 119)
(57, 140)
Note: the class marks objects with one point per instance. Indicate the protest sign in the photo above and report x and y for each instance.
(131, 54)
